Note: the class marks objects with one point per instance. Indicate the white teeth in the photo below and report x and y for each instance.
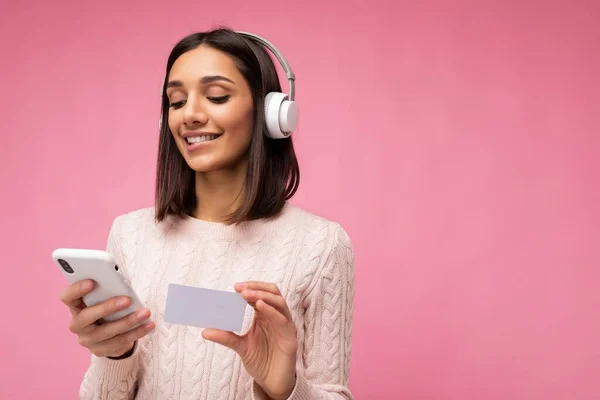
(198, 139)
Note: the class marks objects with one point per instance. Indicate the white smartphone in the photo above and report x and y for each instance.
(99, 266)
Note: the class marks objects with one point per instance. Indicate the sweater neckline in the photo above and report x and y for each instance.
(189, 225)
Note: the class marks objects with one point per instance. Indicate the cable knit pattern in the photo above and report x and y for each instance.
(308, 257)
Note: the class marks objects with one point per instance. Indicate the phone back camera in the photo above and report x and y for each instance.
(65, 265)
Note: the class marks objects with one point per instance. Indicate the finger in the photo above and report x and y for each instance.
(225, 338)
(72, 294)
(119, 344)
(271, 313)
(90, 315)
(257, 285)
(114, 328)
(275, 301)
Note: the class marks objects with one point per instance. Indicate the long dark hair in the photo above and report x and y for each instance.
(273, 174)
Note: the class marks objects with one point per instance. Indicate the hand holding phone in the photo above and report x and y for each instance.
(107, 315)
(110, 339)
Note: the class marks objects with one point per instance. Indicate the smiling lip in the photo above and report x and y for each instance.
(197, 133)
(194, 146)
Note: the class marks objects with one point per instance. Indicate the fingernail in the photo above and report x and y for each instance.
(122, 303)
(242, 285)
(143, 314)
(85, 286)
(150, 326)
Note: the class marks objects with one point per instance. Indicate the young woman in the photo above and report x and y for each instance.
(222, 220)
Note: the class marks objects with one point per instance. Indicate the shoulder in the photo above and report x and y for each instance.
(136, 219)
(128, 231)
(134, 223)
(326, 245)
(135, 216)
(320, 227)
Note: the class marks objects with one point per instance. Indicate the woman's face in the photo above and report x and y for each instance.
(211, 110)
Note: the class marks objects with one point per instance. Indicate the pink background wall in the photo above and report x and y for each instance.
(458, 145)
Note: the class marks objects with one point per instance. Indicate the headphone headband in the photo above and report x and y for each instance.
(286, 66)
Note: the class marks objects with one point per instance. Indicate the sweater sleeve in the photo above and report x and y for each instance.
(328, 329)
(106, 378)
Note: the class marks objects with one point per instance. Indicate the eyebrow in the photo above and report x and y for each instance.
(205, 80)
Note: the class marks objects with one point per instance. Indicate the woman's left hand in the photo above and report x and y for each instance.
(268, 349)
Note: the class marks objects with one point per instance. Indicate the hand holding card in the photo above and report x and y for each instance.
(268, 349)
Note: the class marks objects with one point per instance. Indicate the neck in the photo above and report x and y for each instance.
(219, 193)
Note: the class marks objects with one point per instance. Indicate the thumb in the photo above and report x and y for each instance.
(224, 338)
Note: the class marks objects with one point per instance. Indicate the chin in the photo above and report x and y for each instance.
(205, 166)
(206, 163)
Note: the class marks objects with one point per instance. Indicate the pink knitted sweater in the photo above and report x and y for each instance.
(308, 257)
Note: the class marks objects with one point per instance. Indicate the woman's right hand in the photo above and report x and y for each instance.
(111, 339)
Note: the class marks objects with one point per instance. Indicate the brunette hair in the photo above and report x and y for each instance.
(273, 173)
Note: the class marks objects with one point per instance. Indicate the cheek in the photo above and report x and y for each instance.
(235, 123)
(173, 123)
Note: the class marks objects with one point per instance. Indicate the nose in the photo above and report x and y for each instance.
(193, 113)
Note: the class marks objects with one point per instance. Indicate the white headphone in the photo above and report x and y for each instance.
(281, 111)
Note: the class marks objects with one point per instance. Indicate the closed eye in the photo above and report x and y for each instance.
(219, 100)
(177, 104)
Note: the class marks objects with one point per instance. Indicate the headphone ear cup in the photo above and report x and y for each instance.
(281, 115)
(288, 116)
